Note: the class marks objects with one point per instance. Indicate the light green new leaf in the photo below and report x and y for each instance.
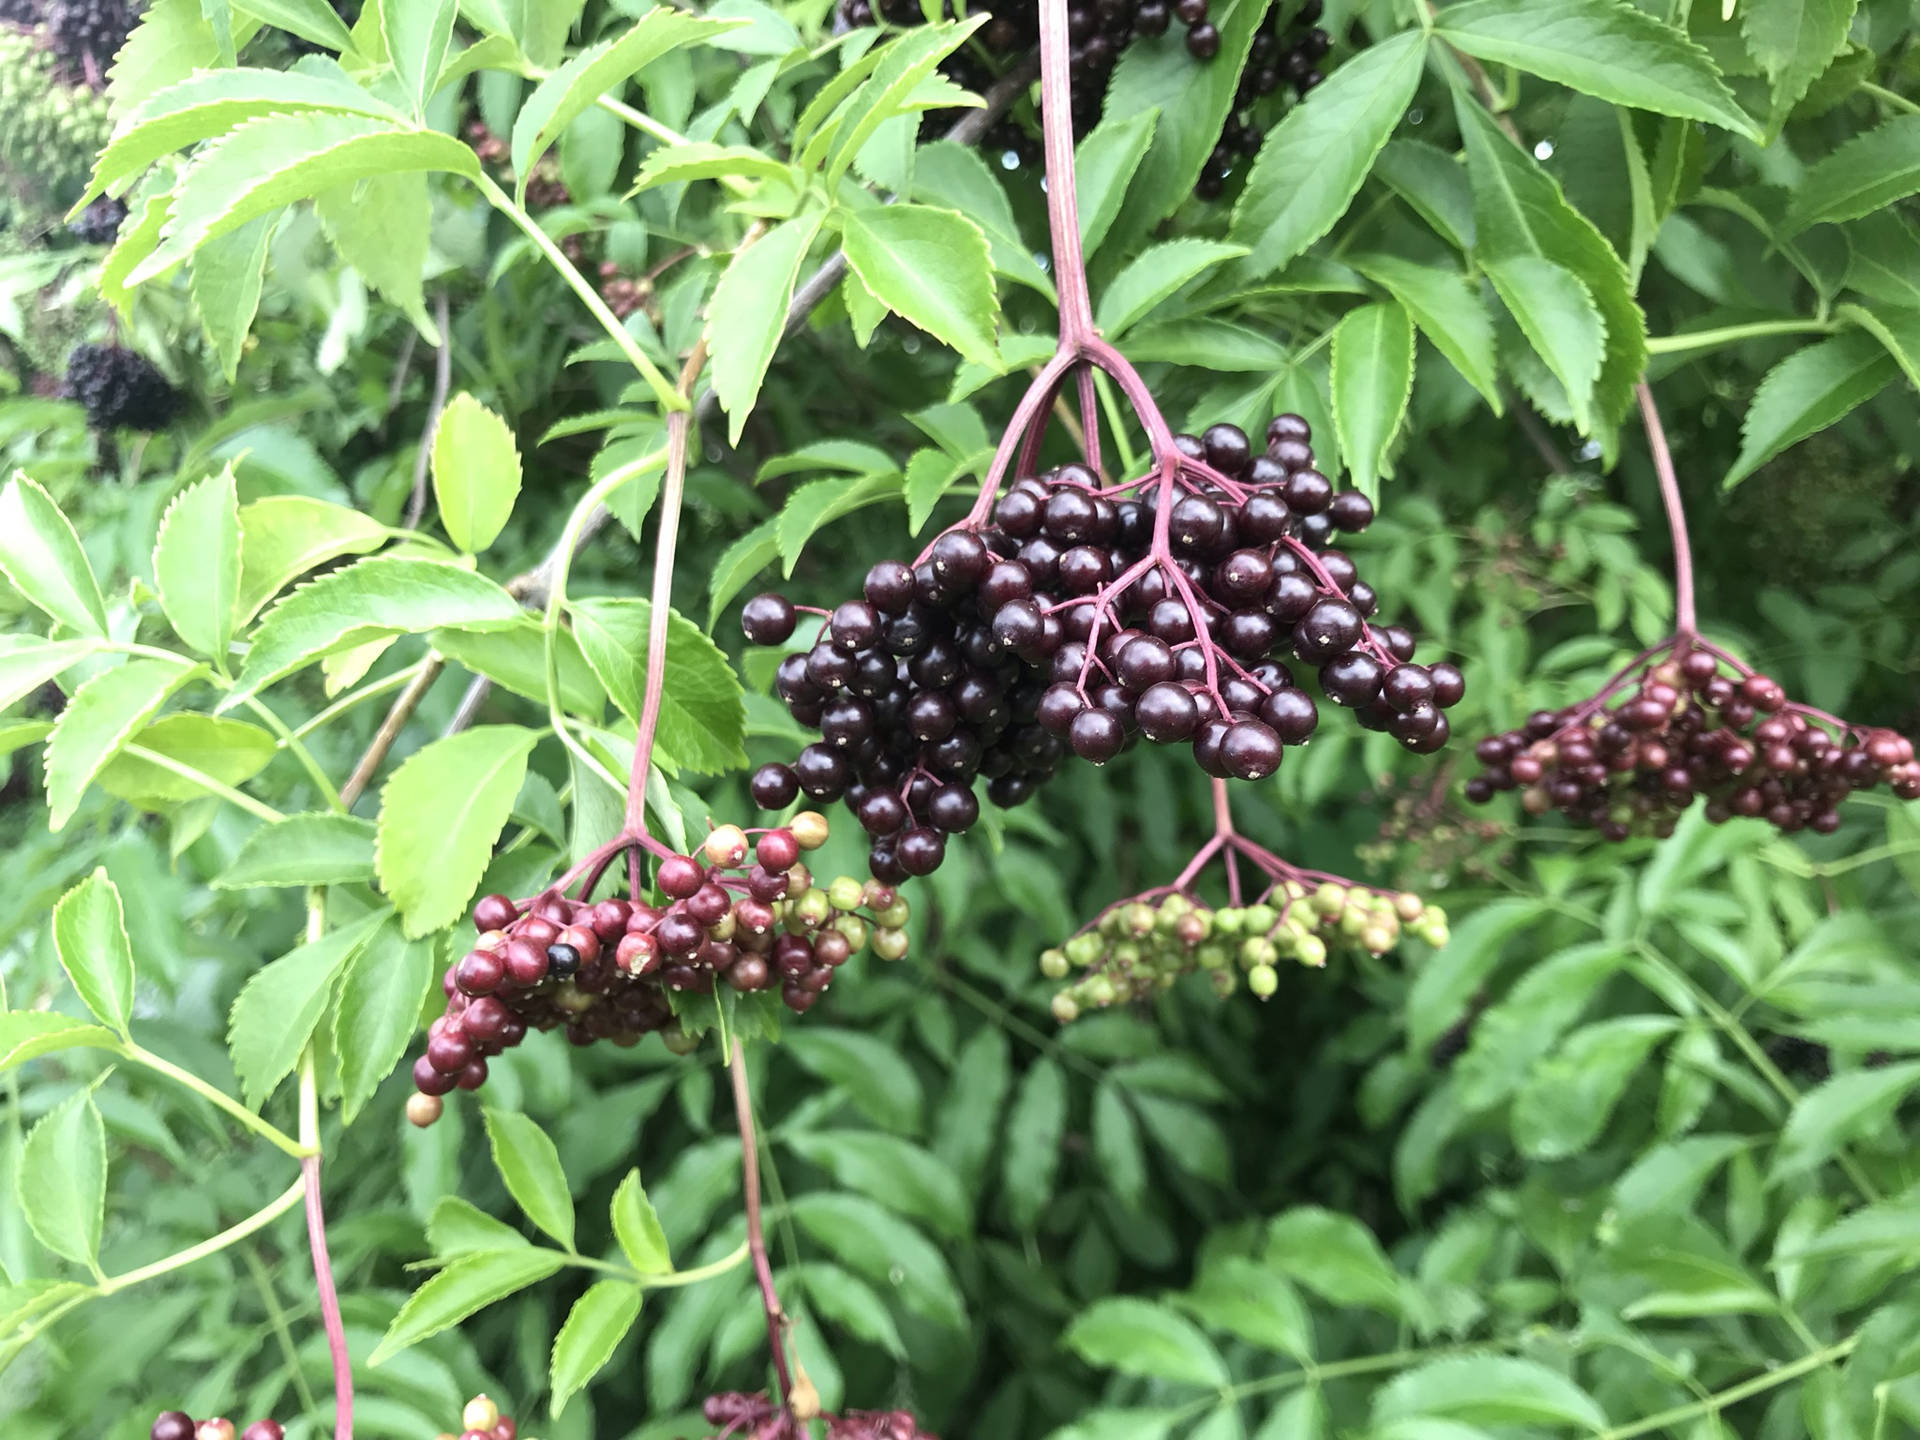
(1897, 328)
(1489, 1390)
(440, 814)
(196, 564)
(41, 555)
(1153, 276)
(28, 1034)
(1103, 165)
(62, 1181)
(1314, 161)
(229, 752)
(417, 33)
(459, 1227)
(1335, 1256)
(820, 503)
(1605, 48)
(1556, 312)
(530, 1165)
(749, 312)
(277, 1011)
(282, 537)
(103, 716)
(476, 473)
(1808, 391)
(1449, 312)
(954, 176)
(702, 716)
(1372, 380)
(514, 658)
(1869, 171)
(704, 160)
(313, 20)
(380, 227)
(930, 474)
(380, 999)
(598, 1322)
(224, 278)
(351, 606)
(1845, 1108)
(931, 267)
(317, 849)
(171, 42)
(90, 937)
(27, 662)
(598, 70)
(904, 67)
(637, 1228)
(470, 1283)
(1136, 1337)
(1795, 41)
(275, 160)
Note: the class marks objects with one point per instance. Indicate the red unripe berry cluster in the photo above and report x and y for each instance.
(1687, 724)
(481, 1420)
(177, 1425)
(751, 916)
(755, 1417)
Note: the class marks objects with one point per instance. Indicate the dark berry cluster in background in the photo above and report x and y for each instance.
(177, 1425)
(746, 913)
(99, 223)
(1689, 723)
(87, 34)
(482, 1420)
(120, 389)
(1287, 54)
(1082, 619)
(755, 1417)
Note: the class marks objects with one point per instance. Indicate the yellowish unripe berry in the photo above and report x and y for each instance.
(727, 848)
(889, 944)
(423, 1110)
(810, 829)
(1065, 1010)
(481, 1413)
(1053, 964)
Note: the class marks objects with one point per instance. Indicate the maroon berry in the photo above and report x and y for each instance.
(493, 912)
(679, 876)
(173, 1425)
(479, 972)
(777, 850)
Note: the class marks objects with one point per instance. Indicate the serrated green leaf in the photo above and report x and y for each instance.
(702, 718)
(1895, 327)
(62, 1180)
(1809, 390)
(1138, 1338)
(229, 752)
(1334, 1256)
(895, 1172)
(816, 505)
(380, 999)
(930, 474)
(903, 66)
(1153, 276)
(282, 537)
(637, 1228)
(530, 1165)
(417, 35)
(850, 1303)
(1569, 1098)
(440, 814)
(1104, 164)
(932, 268)
(514, 658)
(704, 160)
(90, 937)
(225, 276)
(380, 226)
(1434, 183)
(1557, 314)
(1488, 1389)
(476, 473)
(459, 1227)
(277, 1011)
(1313, 162)
(1449, 312)
(749, 313)
(103, 715)
(954, 176)
(1248, 1300)
(1372, 380)
(27, 662)
(28, 1034)
(316, 849)
(196, 564)
(41, 556)
(312, 20)
(1794, 41)
(739, 563)
(1605, 48)
(1116, 1145)
(885, 1249)
(1036, 1124)
(1868, 172)
(1843, 1109)
(598, 1322)
(361, 602)
(598, 70)
(470, 1283)
(870, 1072)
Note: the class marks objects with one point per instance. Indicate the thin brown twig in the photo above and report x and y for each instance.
(1539, 436)
(756, 1233)
(400, 712)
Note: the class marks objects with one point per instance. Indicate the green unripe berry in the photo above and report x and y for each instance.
(1053, 964)
(1330, 900)
(894, 916)
(1083, 950)
(1065, 1010)
(1408, 907)
(1139, 918)
(1213, 956)
(1258, 951)
(846, 893)
(1378, 939)
(1176, 905)
(1263, 980)
(1229, 921)
(890, 944)
(1100, 990)
(679, 1042)
(1261, 918)
(1312, 951)
(813, 908)
(854, 928)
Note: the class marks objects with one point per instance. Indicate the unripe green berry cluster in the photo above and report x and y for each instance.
(1142, 946)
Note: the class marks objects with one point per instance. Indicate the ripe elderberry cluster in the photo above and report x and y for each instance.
(1686, 722)
(1287, 54)
(1082, 619)
(755, 1417)
(1141, 946)
(481, 1420)
(99, 223)
(119, 389)
(87, 34)
(746, 913)
(177, 1425)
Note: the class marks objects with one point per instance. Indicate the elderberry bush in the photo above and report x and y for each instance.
(1081, 620)
(754, 920)
(120, 389)
(1687, 723)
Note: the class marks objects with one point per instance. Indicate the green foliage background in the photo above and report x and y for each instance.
(1633, 1154)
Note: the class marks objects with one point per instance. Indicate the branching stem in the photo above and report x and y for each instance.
(1685, 623)
(756, 1234)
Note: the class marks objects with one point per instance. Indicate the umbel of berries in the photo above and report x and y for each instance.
(481, 1420)
(757, 1417)
(1081, 618)
(177, 1425)
(1684, 723)
(120, 389)
(87, 34)
(743, 912)
(99, 223)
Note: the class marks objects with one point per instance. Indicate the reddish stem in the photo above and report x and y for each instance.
(1684, 622)
(672, 488)
(329, 1302)
(756, 1235)
(1063, 205)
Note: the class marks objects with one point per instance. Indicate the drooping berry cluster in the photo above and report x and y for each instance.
(1082, 618)
(99, 223)
(481, 1420)
(177, 1425)
(750, 915)
(87, 34)
(119, 389)
(1287, 54)
(545, 188)
(1686, 722)
(756, 1417)
(1141, 946)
